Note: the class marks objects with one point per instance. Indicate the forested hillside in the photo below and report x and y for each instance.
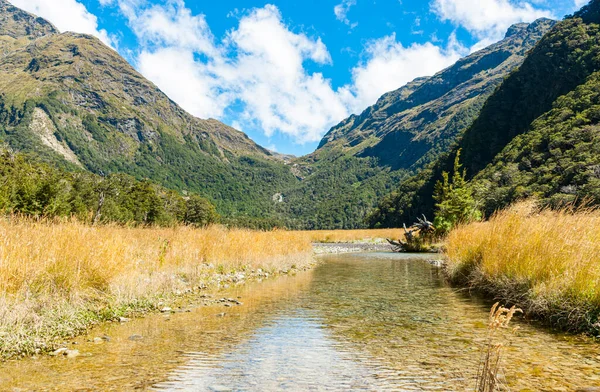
(537, 135)
(35, 189)
(522, 111)
(366, 156)
(77, 104)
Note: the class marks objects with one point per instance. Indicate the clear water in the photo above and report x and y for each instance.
(366, 322)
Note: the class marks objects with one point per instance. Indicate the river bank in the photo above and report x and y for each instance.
(321, 248)
(58, 280)
(545, 262)
(374, 321)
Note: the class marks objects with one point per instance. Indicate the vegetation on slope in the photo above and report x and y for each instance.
(545, 262)
(364, 157)
(76, 103)
(557, 161)
(39, 190)
(563, 60)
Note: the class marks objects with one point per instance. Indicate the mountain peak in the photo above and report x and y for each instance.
(541, 24)
(16, 23)
(518, 28)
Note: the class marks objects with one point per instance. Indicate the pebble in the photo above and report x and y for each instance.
(98, 340)
(166, 309)
(71, 353)
(60, 351)
(136, 337)
(220, 388)
(124, 319)
(221, 315)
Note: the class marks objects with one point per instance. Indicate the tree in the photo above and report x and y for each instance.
(199, 211)
(455, 202)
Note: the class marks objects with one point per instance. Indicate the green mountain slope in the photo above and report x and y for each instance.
(365, 156)
(77, 103)
(536, 135)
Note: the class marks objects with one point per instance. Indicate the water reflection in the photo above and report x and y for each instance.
(358, 322)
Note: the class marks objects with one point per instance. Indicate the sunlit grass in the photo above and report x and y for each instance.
(548, 262)
(57, 278)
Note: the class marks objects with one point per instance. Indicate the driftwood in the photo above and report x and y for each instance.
(416, 237)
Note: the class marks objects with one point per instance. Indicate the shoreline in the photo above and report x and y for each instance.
(564, 315)
(86, 315)
(542, 261)
(85, 318)
(324, 248)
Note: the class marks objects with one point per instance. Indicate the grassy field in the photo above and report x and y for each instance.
(58, 279)
(546, 262)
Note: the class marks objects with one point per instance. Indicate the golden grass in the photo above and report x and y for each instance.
(339, 236)
(490, 363)
(548, 262)
(57, 278)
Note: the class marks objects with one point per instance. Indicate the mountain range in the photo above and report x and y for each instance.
(522, 110)
(536, 136)
(74, 102)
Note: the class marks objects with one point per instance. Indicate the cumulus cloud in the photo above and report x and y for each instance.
(581, 3)
(66, 15)
(390, 64)
(488, 20)
(259, 69)
(341, 12)
(259, 66)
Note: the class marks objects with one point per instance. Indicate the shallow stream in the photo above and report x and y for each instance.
(372, 322)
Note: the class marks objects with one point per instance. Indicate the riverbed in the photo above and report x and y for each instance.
(369, 321)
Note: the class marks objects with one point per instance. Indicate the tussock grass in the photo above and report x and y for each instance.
(340, 236)
(57, 279)
(546, 262)
(489, 375)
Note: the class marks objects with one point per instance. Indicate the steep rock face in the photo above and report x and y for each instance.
(365, 156)
(537, 135)
(406, 127)
(108, 118)
(17, 23)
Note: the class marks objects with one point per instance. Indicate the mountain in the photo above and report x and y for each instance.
(74, 102)
(537, 135)
(366, 155)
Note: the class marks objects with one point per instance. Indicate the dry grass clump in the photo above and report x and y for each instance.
(58, 278)
(340, 236)
(547, 262)
(490, 363)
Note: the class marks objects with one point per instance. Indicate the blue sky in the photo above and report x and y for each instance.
(286, 71)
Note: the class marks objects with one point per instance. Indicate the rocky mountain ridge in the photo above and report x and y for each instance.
(75, 102)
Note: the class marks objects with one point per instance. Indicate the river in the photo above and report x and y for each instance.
(367, 322)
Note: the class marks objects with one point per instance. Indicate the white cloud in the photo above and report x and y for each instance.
(174, 24)
(177, 73)
(66, 15)
(259, 70)
(391, 65)
(341, 12)
(487, 19)
(581, 3)
(260, 64)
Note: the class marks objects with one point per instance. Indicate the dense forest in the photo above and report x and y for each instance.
(536, 136)
(35, 189)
